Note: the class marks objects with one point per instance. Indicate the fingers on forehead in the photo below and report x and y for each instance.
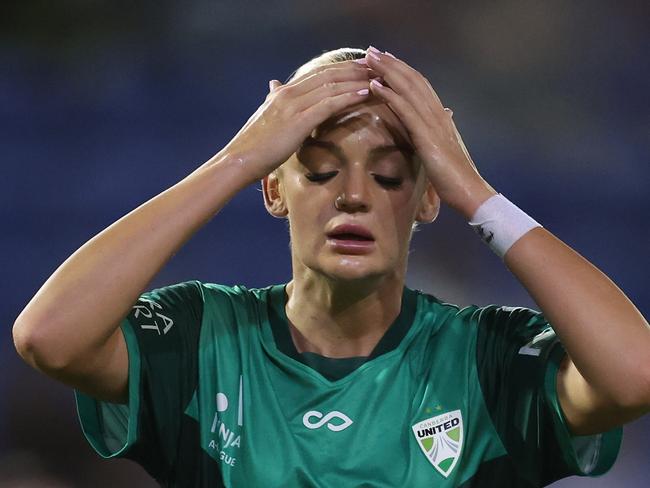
(333, 73)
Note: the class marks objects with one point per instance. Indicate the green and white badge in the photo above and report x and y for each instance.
(441, 440)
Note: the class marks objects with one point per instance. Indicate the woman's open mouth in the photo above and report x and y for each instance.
(351, 239)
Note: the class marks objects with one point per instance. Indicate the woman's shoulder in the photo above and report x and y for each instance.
(238, 289)
(430, 303)
(474, 314)
(236, 295)
(209, 287)
(209, 294)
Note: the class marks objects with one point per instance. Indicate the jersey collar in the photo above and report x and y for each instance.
(336, 368)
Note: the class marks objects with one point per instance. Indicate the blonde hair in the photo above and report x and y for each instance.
(328, 57)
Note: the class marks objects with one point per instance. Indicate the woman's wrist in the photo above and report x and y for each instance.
(470, 197)
(500, 223)
(236, 168)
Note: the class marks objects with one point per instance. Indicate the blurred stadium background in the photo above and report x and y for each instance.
(104, 104)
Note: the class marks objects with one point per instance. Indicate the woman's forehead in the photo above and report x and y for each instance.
(371, 117)
(371, 128)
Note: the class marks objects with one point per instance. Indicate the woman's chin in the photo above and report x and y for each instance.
(352, 268)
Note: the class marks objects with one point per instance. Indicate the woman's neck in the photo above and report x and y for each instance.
(340, 320)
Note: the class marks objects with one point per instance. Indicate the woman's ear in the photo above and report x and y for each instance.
(429, 205)
(273, 199)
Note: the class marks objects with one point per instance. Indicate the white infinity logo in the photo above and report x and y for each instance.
(326, 420)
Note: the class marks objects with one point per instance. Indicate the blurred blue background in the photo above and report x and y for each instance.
(104, 104)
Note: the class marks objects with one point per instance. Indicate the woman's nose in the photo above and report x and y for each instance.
(354, 193)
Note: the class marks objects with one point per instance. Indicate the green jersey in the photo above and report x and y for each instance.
(451, 397)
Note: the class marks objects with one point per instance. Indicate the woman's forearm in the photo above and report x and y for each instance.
(602, 331)
(80, 306)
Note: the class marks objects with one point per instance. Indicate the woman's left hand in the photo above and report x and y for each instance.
(432, 132)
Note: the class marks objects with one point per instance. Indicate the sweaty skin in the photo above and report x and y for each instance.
(591, 315)
(110, 271)
(339, 303)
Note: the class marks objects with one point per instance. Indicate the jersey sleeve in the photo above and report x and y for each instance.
(518, 356)
(162, 334)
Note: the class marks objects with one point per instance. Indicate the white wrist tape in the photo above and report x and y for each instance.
(500, 223)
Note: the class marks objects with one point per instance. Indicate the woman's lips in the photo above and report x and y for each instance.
(350, 246)
(350, 231)
(351, 238)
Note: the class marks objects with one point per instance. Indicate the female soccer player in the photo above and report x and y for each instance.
(343, 376)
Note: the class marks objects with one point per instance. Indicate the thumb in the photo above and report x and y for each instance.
(273, 84)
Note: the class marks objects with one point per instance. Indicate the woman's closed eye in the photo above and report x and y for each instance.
(384, 181)
(388, 182)
(320, 177)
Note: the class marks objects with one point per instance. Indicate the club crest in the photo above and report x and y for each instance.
(441, 440)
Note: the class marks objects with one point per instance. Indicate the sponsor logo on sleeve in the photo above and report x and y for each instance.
(534, 347)
(441, 440)
(150, 317)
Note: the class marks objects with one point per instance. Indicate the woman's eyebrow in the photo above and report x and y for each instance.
(388, 148)
(329, 145)
(375, 151)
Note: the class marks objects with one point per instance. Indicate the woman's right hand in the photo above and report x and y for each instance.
(109, 272)
(290, 112)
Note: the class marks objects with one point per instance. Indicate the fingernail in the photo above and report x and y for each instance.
(375, 82)
(389, 54)
(373, 49)
(361, 61)
(373, 55)
(363, 91)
